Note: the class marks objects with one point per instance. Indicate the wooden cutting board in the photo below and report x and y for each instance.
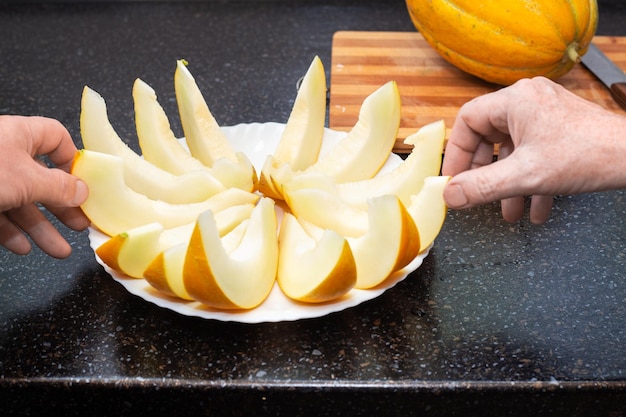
(431, 88)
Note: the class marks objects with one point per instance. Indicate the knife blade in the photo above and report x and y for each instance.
(607, 72)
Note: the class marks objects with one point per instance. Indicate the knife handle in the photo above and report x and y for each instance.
(618, 91)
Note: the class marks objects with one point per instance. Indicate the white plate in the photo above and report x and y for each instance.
(257, 140)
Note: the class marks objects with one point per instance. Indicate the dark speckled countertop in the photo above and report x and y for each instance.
(499, 320)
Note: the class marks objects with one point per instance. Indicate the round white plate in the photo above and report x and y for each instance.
(257, 140)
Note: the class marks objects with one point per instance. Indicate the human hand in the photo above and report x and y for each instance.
(552, 142)
(25, 181)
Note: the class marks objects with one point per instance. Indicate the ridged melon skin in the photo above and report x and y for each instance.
(505, 41)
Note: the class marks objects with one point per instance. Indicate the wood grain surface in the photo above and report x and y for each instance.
(431, 89)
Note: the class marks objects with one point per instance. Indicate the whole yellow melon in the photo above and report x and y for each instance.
(504, 41)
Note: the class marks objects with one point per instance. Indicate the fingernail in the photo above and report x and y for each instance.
(81, 193)
(455, 196)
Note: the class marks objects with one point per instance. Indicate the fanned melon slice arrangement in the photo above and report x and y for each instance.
(200, 223)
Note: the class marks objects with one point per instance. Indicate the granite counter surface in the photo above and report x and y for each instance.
(500, 319)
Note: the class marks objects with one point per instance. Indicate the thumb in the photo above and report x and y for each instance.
(56, 187)
(482, 185)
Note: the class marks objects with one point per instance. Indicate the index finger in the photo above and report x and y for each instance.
(51, 138)
(478, 126)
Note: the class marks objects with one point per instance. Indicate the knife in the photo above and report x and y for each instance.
(610, 74)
